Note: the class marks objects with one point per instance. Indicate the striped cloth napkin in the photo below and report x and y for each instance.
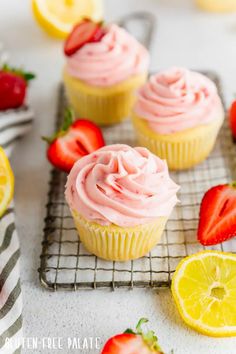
(13, 125)
(10, 290)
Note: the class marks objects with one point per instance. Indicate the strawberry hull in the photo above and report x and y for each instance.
(133, 342)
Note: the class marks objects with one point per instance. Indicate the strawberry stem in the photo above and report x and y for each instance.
(233, 184)
(139, 325)
(68, 121)
(88, 19)
(27, 76)
(149, 337)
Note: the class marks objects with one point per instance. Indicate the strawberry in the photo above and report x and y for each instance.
(76, 138)
(131, 342)
(85, 32)
(218, 215)
(13, 86)
(232, 119)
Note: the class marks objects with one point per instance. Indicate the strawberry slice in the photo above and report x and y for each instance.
(83, 33)
(131, 342)
(232, 119)
(218, 215)
(74, 140)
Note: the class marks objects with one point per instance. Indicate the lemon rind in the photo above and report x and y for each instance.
(10, 185)
(52, 25)
(227, 331)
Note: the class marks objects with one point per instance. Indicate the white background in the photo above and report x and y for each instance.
(185, 37)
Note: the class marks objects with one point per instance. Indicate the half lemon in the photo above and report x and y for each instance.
(57, 17)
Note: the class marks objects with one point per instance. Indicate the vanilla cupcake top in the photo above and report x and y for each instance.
(121, 185)
(115, 58)
(178, 99)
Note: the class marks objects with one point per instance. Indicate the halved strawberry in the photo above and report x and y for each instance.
(86, 31)
(218, 215)
(74, 140)
(131, 342)
(232, 119)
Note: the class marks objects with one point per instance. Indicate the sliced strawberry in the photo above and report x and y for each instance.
(218, 215)
(73, 141)
(133, 342)
(83, 33)
(232, 119)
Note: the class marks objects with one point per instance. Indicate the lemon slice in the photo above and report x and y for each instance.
(204, 289)
(57, 17)
(6, 182)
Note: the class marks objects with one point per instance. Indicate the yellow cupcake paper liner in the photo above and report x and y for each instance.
(102, 105)
(118, 243)
(181, 150)
(217, 5)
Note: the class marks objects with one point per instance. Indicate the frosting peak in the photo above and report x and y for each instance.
(178, 99)
(121, 185)
(115, 58)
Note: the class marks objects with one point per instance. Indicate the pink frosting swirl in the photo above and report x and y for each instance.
(121, 185)
(178, 99)
(115, 58)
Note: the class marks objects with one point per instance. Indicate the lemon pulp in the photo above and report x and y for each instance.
(204, 289)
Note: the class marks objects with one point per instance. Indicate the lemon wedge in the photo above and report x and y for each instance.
(57, 17)
(6, 182)
(204, 289)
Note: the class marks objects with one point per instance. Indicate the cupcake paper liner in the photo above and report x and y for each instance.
(117, 243)
(180, 150)
(104, 106)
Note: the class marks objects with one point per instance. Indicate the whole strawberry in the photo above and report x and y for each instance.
(232, 119)
(218, 215)
(75, 139)
(131, 342)
(13, 87)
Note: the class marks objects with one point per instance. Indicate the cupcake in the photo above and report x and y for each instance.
(102, 75)
(120, 198)
(177, 116)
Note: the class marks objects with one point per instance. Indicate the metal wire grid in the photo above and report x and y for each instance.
(65, 263)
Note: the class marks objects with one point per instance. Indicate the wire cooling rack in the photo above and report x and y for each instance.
(65, 263)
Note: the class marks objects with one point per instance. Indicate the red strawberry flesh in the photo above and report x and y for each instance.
(100, 33)
(131, 342)
(12, 90)
(79, 139)
(232, 119)
(126, 344)
(83, 33)
(218, 215)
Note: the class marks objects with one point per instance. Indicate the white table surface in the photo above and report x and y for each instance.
(185, 37)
